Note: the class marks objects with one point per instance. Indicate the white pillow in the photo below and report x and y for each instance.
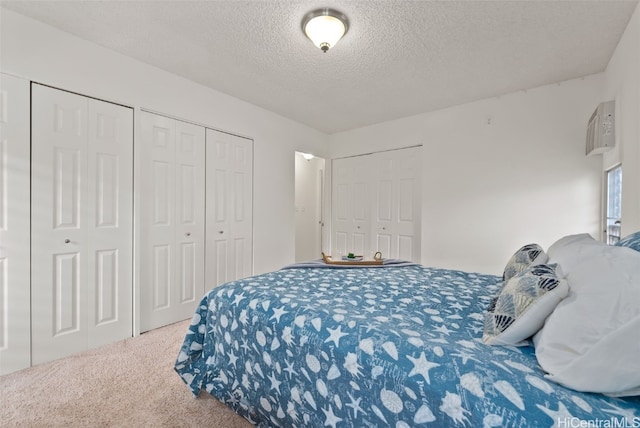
(566, 250)
(523, 304)
(591, 341)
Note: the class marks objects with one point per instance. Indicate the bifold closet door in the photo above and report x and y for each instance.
(376, 204)
(172, 174)
(15, 319)
(81, 223)
(351, 212)
(229, 231)
(396, 203)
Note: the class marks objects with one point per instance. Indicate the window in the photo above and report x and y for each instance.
(614, 205)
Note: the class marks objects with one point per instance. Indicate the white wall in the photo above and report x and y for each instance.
(487, 187)
(622, 84)
(498, 173)
(36, 51)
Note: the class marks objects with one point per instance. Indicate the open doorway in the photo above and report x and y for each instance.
(309, 209)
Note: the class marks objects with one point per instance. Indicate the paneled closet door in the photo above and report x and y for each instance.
(109, 223)
(396, 199)
(15, 315)
(351, 212)
(171, 220)
(81, 205)
(190, 215)
(229, 243)
(376, 204)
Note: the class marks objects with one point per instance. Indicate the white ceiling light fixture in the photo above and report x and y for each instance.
(324, 27)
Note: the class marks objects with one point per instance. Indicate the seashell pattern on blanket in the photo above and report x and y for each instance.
(393, 347)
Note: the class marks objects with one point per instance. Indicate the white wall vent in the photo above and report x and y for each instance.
(600, 130)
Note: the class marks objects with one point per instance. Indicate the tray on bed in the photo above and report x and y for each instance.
(330, 261)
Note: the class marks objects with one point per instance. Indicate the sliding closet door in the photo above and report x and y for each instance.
(171, 220)
(81, 229)
(15, 339)
(229, 208)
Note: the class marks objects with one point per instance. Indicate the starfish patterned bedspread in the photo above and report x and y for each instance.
(394, 347)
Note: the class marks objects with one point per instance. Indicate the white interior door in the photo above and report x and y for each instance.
(81, 276)
(171, 220)
(229, 208)
(351, 212)
(15, 315)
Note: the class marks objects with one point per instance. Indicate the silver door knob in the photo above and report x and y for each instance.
(187, 234)
(66, 241)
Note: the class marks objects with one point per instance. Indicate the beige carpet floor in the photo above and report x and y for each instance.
(125, 384)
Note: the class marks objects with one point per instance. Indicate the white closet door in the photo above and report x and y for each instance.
(59, 233)
(351, 219)
(396, 203)
(229, 245)
(15, 339)
(109, 222)
(81, 223)
(376, 204)
(190, 204)
(171, 220)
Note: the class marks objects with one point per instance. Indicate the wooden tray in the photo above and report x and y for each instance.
(329, 261)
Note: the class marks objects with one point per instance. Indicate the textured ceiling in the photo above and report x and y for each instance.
(399, 58)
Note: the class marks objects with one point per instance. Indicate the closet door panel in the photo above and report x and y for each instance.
(229, 223)
(406, 247)
(217, 254)
(218, 224)
(408, 227)
(351, 212)
(189, 232)
(157, 231)
(59, 233)
(172, 220)
(15, 334)
(242, 202)
(385, 202)
(109, 222)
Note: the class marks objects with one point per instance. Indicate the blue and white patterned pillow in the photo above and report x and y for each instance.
(523, 304)
(631, 241)
(528, 255)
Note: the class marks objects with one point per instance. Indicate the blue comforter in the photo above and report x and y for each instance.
(394, 347)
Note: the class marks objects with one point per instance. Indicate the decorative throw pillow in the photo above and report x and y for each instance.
(529, 255)
(523, 304)
(631, 241)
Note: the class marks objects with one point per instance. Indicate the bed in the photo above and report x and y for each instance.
(399, 345)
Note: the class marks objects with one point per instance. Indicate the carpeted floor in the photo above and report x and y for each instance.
(125, 384)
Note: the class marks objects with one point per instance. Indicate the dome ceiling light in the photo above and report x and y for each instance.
(324, 27)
